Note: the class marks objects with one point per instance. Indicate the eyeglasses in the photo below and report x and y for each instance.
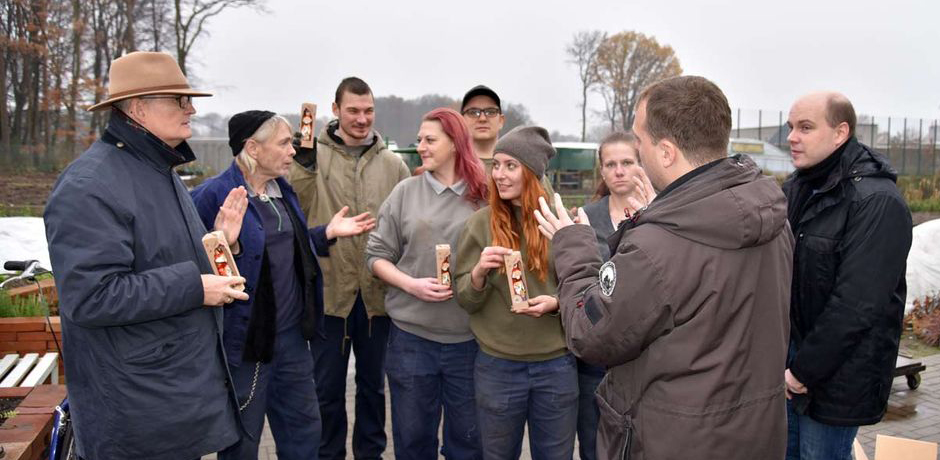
(183, 101)
(475, 113)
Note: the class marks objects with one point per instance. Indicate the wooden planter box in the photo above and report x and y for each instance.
(31, 335)
(25, 436)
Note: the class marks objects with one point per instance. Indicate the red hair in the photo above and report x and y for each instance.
(467, 166)
(506, 229)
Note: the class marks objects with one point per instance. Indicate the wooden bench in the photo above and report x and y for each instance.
(28, 371)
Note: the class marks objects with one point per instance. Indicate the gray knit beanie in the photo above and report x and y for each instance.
(530, 145)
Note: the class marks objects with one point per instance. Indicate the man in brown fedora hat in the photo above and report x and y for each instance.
(143, 353)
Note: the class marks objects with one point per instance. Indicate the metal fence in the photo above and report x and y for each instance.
(911, 144)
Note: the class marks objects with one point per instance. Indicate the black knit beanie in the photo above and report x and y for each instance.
(243, 125)
(530, 145)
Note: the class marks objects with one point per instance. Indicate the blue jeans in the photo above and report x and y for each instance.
(285, 391)
(808, 439)
(368, 339)
(423, 377)
(544, 393)
(589, 377)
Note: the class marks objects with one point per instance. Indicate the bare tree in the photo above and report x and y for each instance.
(190, 20)
(629, 61)
(582, 52)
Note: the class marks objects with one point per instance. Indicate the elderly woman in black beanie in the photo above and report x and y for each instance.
(266, 337)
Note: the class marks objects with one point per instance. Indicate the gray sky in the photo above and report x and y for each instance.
(763, 54)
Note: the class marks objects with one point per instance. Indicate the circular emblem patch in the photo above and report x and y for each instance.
(607, 278)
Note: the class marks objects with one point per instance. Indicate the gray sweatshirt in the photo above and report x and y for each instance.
(419, 214)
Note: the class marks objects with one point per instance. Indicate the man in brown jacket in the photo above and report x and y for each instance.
(690, 313)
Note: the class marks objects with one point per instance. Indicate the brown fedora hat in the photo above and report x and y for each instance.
(145, 72)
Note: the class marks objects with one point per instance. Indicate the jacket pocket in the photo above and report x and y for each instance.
(614, 432)
(161, 350)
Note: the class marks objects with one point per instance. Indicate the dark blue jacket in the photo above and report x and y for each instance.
(143, 357)
(208, 197)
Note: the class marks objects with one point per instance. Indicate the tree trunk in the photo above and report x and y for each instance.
(78, 28)
(584, 93)
(130, 42)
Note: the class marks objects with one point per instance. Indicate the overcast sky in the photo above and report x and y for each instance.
(882, 55)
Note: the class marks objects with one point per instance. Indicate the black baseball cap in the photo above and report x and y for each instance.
(480, 90)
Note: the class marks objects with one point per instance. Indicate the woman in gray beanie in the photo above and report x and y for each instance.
(523, 372)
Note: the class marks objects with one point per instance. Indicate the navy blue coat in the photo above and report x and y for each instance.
(208, 197)
(143, 357)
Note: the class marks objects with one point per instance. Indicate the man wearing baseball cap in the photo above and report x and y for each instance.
(483, 113)
(482, 110)
(142, 336)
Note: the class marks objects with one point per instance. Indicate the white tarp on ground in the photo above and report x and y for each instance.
(23, 238)
(923, 263)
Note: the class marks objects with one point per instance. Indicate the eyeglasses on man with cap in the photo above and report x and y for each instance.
(475, 112)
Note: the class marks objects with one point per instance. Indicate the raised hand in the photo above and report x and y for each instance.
(549, 223)
(229, 218)
(644, 195)
(340, 225)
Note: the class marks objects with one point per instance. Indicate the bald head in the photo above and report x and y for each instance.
(819, 123)
(837, 107)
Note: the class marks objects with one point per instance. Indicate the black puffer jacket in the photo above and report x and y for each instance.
(848, 291)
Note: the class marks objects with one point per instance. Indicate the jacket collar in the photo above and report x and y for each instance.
(857, 161)
(330, 136)
(237, 178)
(156, 152)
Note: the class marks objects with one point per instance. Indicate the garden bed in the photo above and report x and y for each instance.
(25, 435)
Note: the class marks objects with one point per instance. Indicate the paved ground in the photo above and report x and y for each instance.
(911, 414)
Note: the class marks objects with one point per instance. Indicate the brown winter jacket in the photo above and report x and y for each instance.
(694, 326)
(339, 179)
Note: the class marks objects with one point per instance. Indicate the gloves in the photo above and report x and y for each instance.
(305, 157)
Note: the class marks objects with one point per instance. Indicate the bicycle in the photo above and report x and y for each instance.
(62, 443)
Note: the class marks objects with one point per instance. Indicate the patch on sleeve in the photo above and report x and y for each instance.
(607, 277)
(593, 311)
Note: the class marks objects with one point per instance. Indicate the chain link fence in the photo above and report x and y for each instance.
(911, 144)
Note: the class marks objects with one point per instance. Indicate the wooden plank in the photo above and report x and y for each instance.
(43, 368)
(893, 448)
(16, 375)
(7, 363)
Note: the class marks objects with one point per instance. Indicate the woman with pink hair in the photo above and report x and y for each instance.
(431, 351)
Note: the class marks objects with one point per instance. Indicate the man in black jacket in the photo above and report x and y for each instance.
(853, 232)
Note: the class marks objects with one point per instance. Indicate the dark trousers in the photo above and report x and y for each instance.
(284, 391)
(425, 377)
(331, 359)
(589, 377)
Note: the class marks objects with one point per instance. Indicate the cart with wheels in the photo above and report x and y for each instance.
(910, 369)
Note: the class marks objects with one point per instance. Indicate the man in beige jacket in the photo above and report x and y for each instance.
(349, 166)
(690, 315)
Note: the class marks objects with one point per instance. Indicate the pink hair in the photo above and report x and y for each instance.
(467, 166)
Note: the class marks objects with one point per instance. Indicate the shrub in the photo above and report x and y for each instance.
(925, 318)
(21, 306)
